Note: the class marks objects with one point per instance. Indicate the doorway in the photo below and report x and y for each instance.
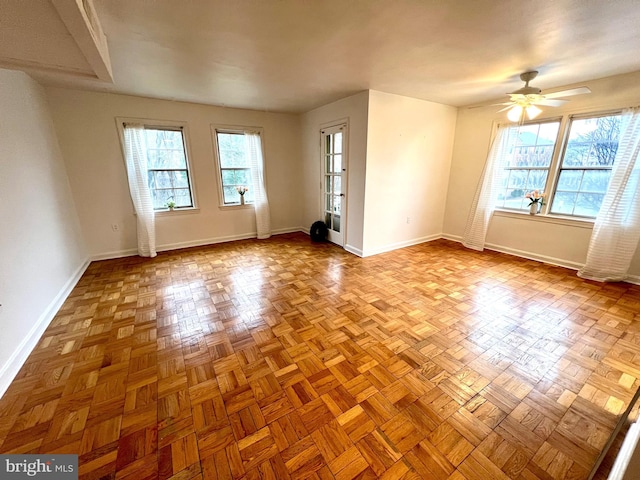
(334, 167)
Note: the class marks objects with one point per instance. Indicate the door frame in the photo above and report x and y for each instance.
(343, 124)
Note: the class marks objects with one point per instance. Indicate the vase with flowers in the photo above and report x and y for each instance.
(242, 190)
(536, 199)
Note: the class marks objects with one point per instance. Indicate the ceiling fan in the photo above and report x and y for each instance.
(525, 99)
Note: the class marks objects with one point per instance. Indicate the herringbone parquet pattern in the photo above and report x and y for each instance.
(287, 359)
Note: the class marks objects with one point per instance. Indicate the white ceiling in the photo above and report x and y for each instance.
(295, 55)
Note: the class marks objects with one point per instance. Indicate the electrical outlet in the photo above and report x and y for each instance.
(115, 227)
(408, 220)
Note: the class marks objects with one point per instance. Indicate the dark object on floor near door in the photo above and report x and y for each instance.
(319, 231)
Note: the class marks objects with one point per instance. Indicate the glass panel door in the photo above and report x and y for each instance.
(334, 173)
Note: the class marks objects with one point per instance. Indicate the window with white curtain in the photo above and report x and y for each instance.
(574, 177)
(167, 164)
(234, 168)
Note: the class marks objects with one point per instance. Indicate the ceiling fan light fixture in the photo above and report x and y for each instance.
(515, 113)
(532, 111)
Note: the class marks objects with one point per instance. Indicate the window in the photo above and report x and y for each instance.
(528, 164)
(235, 170)
(576, 179)
(167, 163)
(586, 164)
(167, 167)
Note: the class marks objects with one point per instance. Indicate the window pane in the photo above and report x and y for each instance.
(243, 177)
(563, 203)
(231, 149)
(337, 184)
(537, 180)
(570, 180)
(180, 179)
(534, 144)
(514, 198)
(160, 198)
(231, 195)
(596, 181)
(338, 143)
(182, 197)
(229, 177)
(327, 164)
(337, 163)
(518, 179)
(588, 204)
(165, 149)
(592, 142)
(336, 223)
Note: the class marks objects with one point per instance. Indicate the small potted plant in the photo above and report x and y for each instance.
(242, 190)
(536, 199)
(171, 205)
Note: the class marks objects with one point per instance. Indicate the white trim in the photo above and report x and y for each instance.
(579, 222)
(627, 456)
(84, 26)
(559, 262)
(635, 279)
(396, 246)
(193, 243)
(19, 356)
(354, 250)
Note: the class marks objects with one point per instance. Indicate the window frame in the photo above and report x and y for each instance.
(551, 163)
(238, 130)
(555, 167)
(560, 160)
(165, 125)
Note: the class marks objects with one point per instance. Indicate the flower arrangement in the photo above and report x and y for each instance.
(242, 190)
(535, 197)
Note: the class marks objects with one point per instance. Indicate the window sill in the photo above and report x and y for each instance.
(547, 218)
(177, 211)
(235, 206)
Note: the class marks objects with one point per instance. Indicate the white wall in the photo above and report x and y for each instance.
(534, 237)
(354, 110)
(43, 253)
(86, 126)
(409, 146)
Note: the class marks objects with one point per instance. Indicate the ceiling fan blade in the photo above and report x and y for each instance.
(505, 108)
(551, 103)
(568, 93)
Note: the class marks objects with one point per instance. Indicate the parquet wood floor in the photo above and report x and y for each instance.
(287, 359)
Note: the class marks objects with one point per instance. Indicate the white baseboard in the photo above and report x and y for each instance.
(354, 250)
(192, 243)
(396, 246)
(559, 262)
(15, 362)
(627, 463)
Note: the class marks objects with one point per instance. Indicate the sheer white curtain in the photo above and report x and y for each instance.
(483, 204)
(616, 231)
(261, 202)
(136, 160)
